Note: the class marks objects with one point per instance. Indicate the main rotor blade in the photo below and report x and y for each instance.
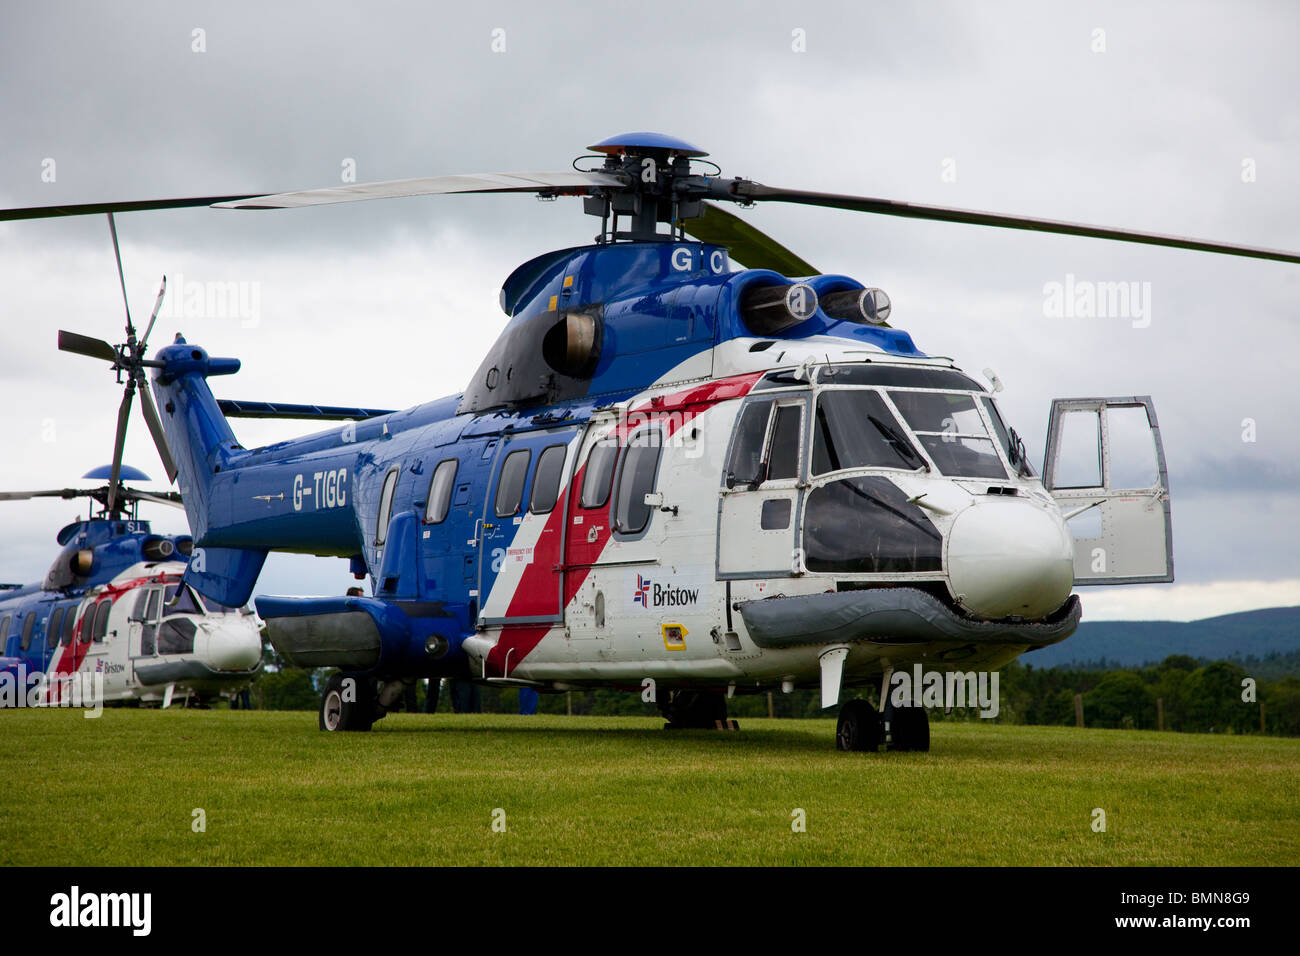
(755, 249)
(96, 208)
(50, 493)
(561, 182)
(888, 207)
(123, 416)
(170, 498)
(117, 254)
(85, 345)
(156, 429)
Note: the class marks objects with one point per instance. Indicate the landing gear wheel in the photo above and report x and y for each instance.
(909, 729)
(697, 710)
(858, 727)
(347, 704)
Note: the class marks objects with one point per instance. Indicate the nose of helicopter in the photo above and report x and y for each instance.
(232, 644)
(1009, 558)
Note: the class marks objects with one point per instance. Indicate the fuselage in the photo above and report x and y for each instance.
(695, 504)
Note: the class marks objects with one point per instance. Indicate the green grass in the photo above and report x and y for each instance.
(421, 790)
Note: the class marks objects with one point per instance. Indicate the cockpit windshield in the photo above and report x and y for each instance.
(952, 431)
(856, 429)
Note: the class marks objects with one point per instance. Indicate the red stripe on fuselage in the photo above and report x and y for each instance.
(537, 583)
(74, 654)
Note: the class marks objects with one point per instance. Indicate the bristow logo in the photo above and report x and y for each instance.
(649, 594)
(642, 591)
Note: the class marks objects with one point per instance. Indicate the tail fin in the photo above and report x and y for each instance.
(202, 444)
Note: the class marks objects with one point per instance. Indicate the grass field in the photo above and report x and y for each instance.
(422, 790)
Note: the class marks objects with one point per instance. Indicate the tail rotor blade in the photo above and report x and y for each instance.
(85, 345)
(153, 317)
(156, 429)
(123, 416)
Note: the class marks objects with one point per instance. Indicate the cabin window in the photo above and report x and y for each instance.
(101, 620)
(69, 626)
(510, 484)
(599, 474)
(52, 629)
(4, 629)
(440, 485)
(636, 479)
(28, 626)
(546, 482)
(386, 505)
(152, 613)
(952, 432)
(855, 429)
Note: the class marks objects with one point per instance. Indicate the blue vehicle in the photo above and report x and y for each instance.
(669, 475)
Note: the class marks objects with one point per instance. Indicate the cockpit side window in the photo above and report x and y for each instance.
(787, 434)
(1008, 439)
(746, 458)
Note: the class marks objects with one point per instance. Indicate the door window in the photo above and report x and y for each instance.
(510, 486)
(52, 629)
(546, 482)
(440, 485)
(599, 474)
(636, 479)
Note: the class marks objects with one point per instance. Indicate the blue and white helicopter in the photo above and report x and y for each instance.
(111, 622)
(669, 475)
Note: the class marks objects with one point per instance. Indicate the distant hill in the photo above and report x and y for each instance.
(1274, 630)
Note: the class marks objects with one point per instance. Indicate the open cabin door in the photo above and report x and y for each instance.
(1105, 466)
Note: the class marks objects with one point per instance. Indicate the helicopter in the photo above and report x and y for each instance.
(670, 475)
(112, 622)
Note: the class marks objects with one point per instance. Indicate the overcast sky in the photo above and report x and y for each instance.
(1178, 117)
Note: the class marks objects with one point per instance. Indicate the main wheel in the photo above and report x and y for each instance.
(347, 704)
(858, 727)
(909, 729)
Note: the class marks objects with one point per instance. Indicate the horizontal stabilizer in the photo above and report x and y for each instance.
(330, 413)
